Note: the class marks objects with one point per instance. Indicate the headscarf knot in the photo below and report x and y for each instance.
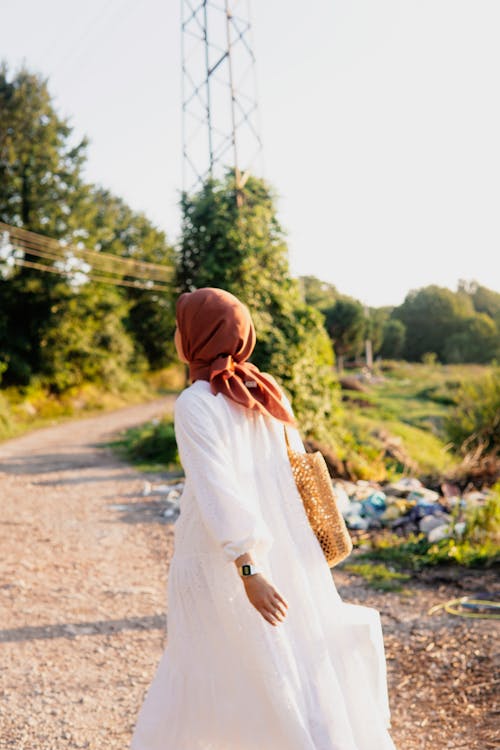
(218, 336)
(223, 365)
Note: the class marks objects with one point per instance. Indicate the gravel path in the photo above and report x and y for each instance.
(84, 564)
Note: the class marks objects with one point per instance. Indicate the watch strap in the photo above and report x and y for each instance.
(248, 569)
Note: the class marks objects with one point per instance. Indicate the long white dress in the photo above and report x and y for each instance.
(228, 679)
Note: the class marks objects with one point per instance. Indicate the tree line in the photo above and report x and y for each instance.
(64, 333)
(432, 323)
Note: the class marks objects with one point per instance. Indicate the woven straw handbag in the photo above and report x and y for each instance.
(315, 487)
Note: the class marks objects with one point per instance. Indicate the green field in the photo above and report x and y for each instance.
(395, 425)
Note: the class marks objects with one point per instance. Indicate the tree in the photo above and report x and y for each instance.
(111, 226)
(243, 250)
(346, 324)
(393, 342)
(447, 323)
(484, 300)
(86, 340)
(375, 323)
(317, 293)
(40, 185)
(40, 166)
(431, 315)
(476, 340)
(42, 189)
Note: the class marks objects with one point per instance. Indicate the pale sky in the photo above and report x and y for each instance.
(380, 123)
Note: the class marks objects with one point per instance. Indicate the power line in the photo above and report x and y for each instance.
(106, 263)
(94, 277)
(74, 49)
(95, 265)
(47, 248)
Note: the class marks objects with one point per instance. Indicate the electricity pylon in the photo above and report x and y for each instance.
(220, 127)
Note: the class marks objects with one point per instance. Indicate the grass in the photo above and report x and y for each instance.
(379, 577)
(410, 401)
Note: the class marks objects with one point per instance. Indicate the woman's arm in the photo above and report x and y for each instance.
(208, 464)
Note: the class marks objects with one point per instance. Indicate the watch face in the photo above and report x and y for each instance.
(245, 569)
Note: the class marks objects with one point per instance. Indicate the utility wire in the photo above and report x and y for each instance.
(74, 50)
(106, 264)
(148, 286)
(50, 249)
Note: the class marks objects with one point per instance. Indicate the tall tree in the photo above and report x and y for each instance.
(40, 185)
(346, 325)
(42, 189)
(109, 225)
(393, 340)
(40, 164)
(243, 250)
(431, 315)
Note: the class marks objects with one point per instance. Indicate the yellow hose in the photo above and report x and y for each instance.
(448, 607)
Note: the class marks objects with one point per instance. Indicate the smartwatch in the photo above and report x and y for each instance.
(248, 569)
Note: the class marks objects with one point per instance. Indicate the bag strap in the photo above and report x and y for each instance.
(286, 437)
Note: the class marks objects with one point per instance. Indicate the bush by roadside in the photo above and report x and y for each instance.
(26, 408)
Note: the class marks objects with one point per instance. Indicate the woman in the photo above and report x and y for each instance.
(274, 660)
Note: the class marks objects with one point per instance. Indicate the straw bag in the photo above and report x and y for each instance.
(315, 487)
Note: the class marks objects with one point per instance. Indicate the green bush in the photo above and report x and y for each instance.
(152, 442)
(475, 421)
(85, 341)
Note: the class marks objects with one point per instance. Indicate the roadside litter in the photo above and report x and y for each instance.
(170, 494)
(406, 506)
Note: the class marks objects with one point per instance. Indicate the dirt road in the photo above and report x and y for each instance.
(84, 564)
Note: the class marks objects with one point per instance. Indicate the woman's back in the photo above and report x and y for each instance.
(229, 679)
(238, 478)
(300, 679)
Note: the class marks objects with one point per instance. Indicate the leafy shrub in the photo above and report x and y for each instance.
(152, 442)
(475, 421)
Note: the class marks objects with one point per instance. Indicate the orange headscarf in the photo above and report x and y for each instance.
(218, 336)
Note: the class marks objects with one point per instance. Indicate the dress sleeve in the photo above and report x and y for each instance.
(224, 505)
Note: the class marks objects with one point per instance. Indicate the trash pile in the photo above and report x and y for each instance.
(405, 506)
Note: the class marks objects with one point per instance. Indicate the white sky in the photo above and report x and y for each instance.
(380, 122)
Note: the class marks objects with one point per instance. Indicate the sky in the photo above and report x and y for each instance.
(380, 123)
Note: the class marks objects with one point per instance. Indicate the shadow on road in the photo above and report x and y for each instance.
(75, 629)
(45, 463)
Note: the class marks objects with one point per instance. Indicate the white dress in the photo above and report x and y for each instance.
(228, 679)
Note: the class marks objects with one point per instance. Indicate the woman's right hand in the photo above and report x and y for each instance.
(265, 598)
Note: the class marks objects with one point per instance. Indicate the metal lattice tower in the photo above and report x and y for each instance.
(220, 126)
